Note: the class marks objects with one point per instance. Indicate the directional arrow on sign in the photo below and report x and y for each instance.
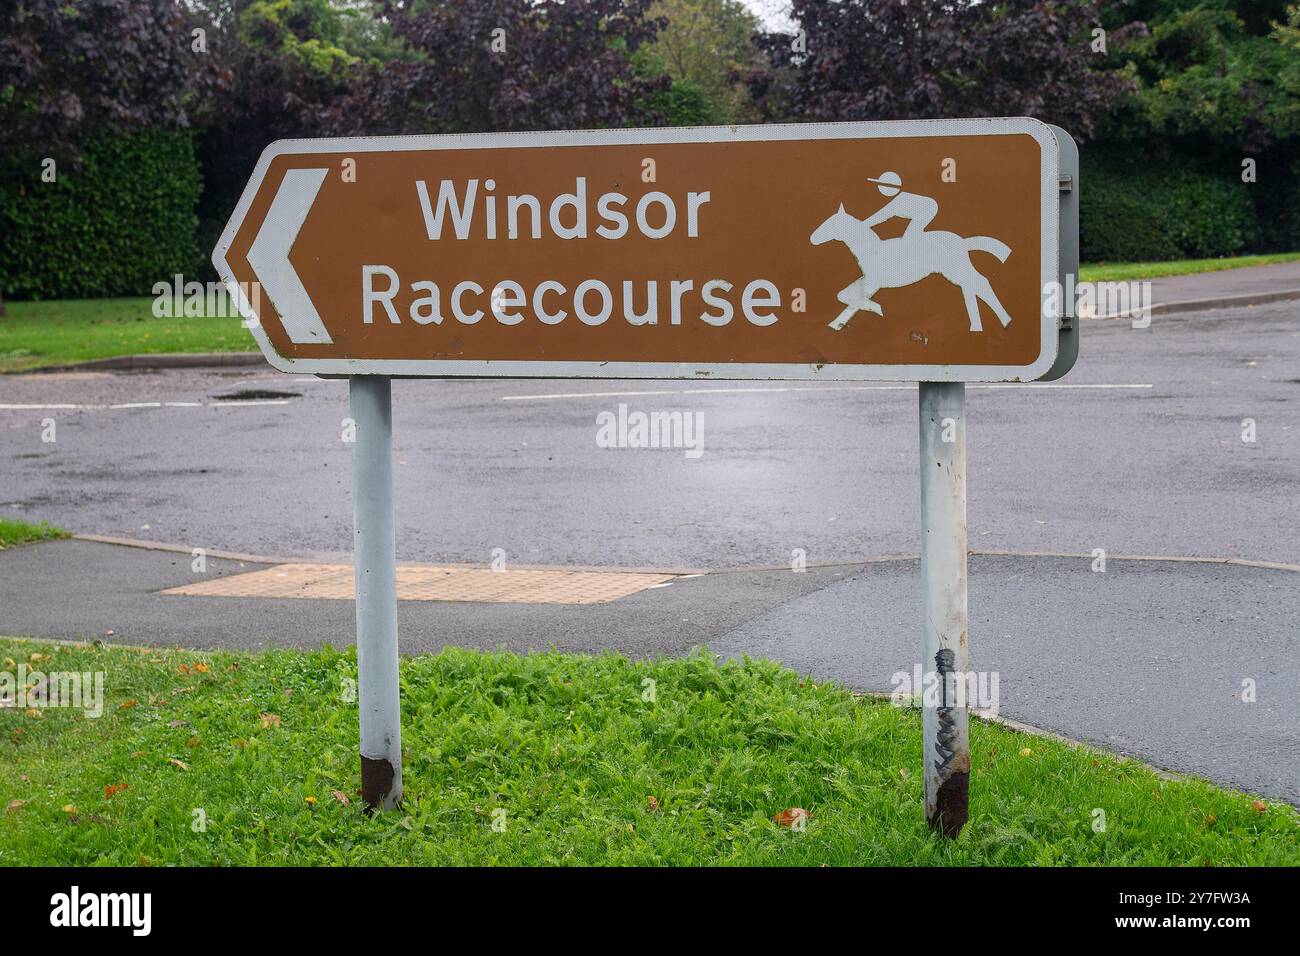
(269, 256)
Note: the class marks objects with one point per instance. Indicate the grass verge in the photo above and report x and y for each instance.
(36, 334)
(232, 758)
(1128, 271)
(14, 532)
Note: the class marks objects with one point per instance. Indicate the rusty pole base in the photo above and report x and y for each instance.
(951, 806)
(377, 776)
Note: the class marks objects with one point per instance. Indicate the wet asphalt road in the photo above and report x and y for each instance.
(830, 469)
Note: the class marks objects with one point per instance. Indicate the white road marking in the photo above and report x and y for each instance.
(825, 388)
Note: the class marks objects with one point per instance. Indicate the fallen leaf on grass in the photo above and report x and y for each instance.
(269, 720)
(340, 796)
(652, 804)
(112, 789)
(15, 805)
(791, 817)
(128, 704)
(193, 742)
(178, 763)
(69, 808)
(34, 713)
(1260, 806)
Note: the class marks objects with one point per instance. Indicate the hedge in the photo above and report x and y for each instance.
(1277, 203)
(122, 221)
(1137, 211)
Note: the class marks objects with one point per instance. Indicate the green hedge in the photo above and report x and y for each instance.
(1277, 204)
(121, 222)
(1134, 211)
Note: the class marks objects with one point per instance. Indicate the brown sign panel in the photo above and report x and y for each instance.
(917, 250)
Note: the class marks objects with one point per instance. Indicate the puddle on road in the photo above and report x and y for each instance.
(255, 395)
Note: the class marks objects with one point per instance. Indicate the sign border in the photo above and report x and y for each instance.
(794, 371)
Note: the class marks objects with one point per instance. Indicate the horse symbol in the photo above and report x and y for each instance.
(891, 263)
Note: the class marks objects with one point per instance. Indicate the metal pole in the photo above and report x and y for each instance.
(375, 545)
(943, 587)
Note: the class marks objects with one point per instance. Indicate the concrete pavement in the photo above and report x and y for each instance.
(1227, 283)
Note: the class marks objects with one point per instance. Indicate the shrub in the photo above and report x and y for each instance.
(121, 222)
(1134, 211)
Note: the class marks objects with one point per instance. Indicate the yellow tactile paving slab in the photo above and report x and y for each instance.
(432, 583)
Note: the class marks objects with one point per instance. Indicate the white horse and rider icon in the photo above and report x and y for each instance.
(917, 253)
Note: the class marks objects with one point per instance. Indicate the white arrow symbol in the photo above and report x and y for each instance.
(269, 256)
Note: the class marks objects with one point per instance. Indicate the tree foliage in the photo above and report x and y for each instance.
(702, 45)
(895, 59)
(71, 72)
(504, 65)
(1222, 71)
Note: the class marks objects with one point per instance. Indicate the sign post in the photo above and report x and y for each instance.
(374, 541)
(944, 653)
(930, 251)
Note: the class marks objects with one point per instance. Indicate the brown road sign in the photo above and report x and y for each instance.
(918, 250)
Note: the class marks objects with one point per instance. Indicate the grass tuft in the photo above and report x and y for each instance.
(14, 532)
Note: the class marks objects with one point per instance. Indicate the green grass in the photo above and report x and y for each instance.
(14, 532)
(36, 334)
(568, 748)
(1127, 271)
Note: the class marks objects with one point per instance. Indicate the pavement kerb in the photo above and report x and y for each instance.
(982, 552)
(346, 557)
(1198, 305)
(157, 360)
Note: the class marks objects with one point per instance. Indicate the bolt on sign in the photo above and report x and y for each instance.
(918, 250)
